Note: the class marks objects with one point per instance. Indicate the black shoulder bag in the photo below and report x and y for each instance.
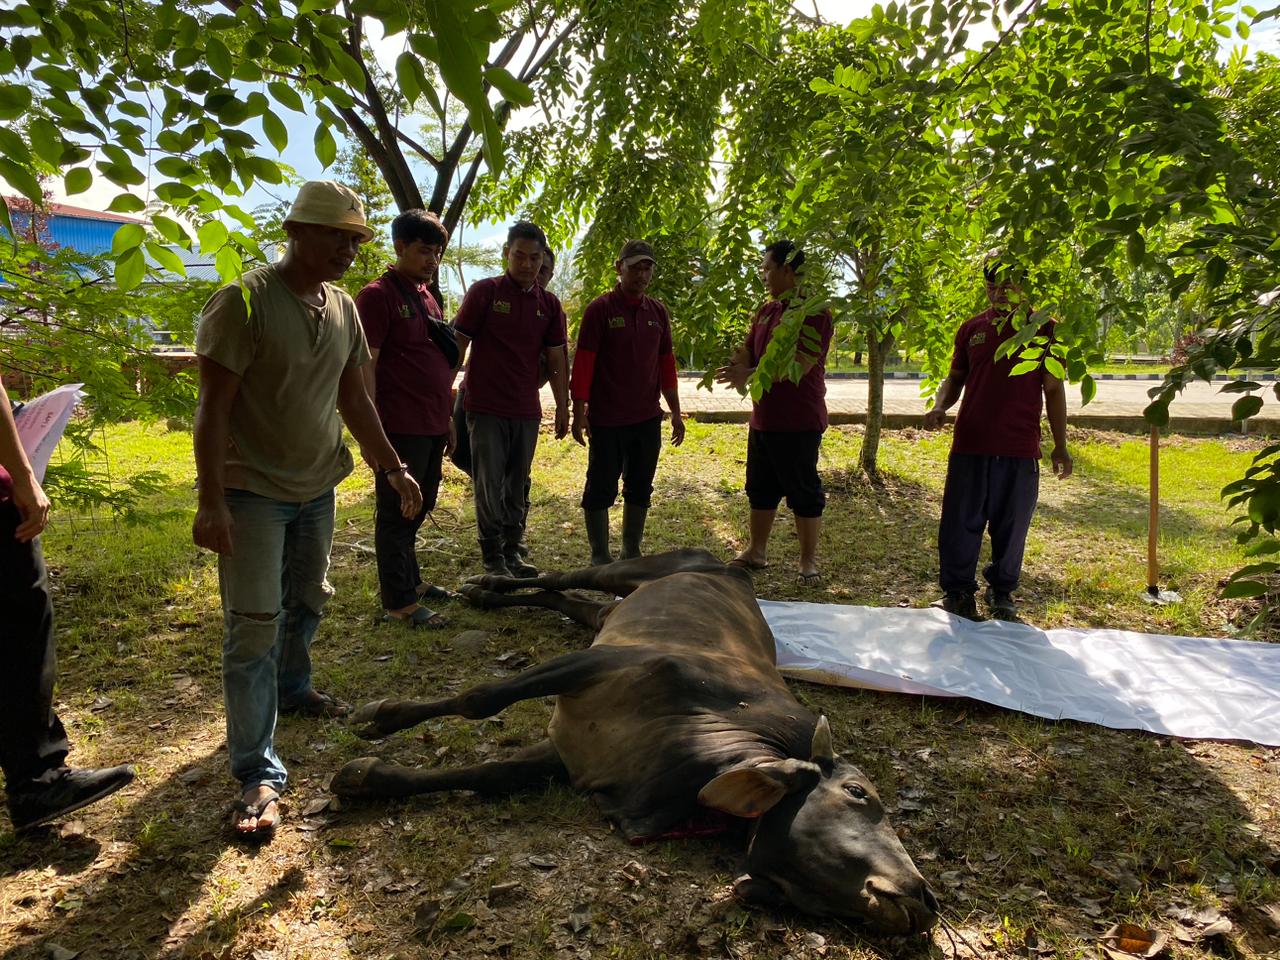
(441, 333)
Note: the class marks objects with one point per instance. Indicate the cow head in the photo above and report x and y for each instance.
(823, 841)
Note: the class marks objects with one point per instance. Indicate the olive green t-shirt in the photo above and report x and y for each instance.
(285, 437)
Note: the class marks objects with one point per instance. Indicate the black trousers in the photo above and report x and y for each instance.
(628, 453)
(501, 457)
(394, 535)
(461, 455)
(785, 465)
(32, 740)
(986, 493)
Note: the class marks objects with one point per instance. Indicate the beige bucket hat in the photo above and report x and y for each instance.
(330, 204)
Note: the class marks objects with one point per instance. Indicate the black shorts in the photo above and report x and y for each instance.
(629, 453)
(785, 465)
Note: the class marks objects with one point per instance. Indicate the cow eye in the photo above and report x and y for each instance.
(855, 790)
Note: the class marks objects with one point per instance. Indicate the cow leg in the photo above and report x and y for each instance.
(371, 778)
(620, 578)
(589, 613)
(567, 674)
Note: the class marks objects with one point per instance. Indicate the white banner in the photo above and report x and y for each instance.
(42, 421)
(1184, 686)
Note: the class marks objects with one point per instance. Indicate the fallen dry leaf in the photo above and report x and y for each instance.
(1129, 939)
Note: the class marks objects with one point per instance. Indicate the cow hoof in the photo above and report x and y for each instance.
(494, 582)
(368, 716)
(476, 595)
(349, 782)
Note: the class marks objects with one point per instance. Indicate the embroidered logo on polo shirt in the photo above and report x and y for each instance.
(501, 306)
(405, 312)
(978, 338)
(617, 321)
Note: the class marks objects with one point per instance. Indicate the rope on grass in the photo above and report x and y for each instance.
(444, 545)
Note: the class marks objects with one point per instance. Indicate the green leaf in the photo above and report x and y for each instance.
(275, 130)
(326, 147)
(212, 236)
(1157, 413)
(15, 101)
(166, 258)
(130, 268)
(407, 69)
(22, 180)
(1098, 252)
(512, 89)
(286, 96)
(1136, 249)
(1245, 407)
(126, 237)
(1243, 590)
(57, 77)
(1215, 271)
(77, 180)
(1088, 390)
(218, 57)
(170, 229)
(127, 203)
(46, 141)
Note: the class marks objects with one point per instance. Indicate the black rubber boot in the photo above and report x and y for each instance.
(491, 557)
(632, 530)
(597, 524)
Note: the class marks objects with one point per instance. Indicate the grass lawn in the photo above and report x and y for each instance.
(1037, 836)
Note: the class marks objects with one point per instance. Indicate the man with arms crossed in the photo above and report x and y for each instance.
(993, 474)
(509, 322)
(623, 361)
(269, 452)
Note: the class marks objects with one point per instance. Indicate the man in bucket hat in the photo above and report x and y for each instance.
(623, 361)
(269, 453)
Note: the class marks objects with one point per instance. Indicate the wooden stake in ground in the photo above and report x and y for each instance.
(1153, 593)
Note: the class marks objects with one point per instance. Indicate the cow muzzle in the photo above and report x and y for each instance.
(899, 911)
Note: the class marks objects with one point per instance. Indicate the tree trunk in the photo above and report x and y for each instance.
(877, 351)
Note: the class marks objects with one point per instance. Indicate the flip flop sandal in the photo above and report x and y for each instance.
(242, 810)
(809, 579)
(433, 592)
(742, 564)
(422, 617)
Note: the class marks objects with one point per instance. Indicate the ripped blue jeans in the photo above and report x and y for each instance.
(278, 568)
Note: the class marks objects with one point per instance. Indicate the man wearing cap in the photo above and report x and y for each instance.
(993, 473)
(623, 361)
(410, 378)
(787, 422)
(509, 322)
(269, 452)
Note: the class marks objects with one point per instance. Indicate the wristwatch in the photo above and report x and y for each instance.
(401, 468)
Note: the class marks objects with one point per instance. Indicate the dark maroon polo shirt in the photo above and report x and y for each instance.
(414, 380)
(999, 414)
(508, 328)
(788, 407)
(628, 338)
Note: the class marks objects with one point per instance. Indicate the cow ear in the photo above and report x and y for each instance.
(758, 891)
(752, 791)
(821, 751)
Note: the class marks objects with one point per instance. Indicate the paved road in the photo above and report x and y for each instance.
(1118, 405)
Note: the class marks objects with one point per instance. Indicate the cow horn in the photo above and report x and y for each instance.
(821, 751)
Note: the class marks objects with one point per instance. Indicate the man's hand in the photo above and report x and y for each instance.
(677, 429)
(562, 422)
(1061, 461)
(451, 444)
(581, 428)
(33, 509)
(410, 492)
(935, 418)
(737, 371)
(212, 528)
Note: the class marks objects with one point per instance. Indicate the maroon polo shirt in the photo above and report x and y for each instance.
(788, 407)
(508, 328)
(999, 414)
(414, 380)
(627, 339)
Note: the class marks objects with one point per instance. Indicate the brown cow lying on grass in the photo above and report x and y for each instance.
(678, 703)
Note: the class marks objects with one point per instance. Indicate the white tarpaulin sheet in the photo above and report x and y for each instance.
(1184, 686)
